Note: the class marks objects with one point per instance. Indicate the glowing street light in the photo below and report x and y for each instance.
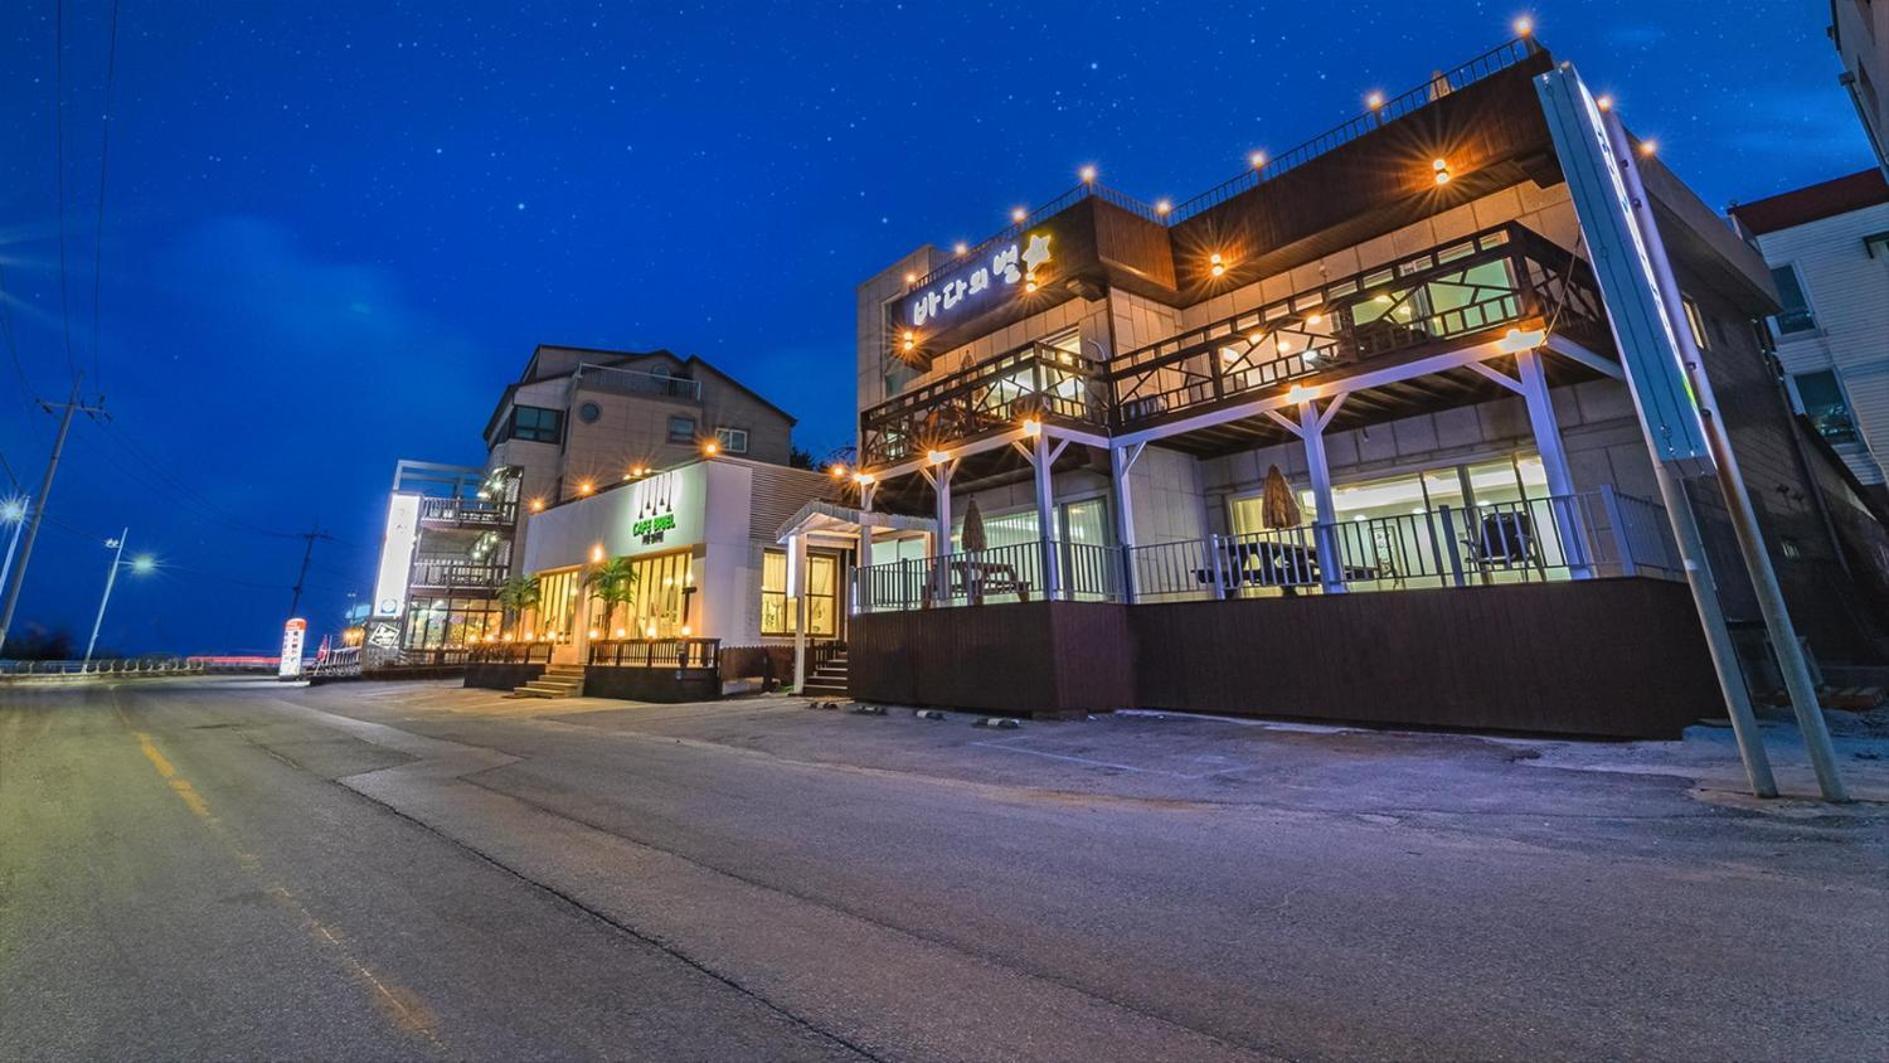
(12, 511)
(141, 565)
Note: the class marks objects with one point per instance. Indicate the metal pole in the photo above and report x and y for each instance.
(110, 578)
(39, 511)
(1777, 617)
(13, 545)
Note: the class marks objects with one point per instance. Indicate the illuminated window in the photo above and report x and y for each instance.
(1695, 322)
(1821, 399)
(777, 615)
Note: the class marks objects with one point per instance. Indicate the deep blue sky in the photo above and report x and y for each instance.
(333, 231)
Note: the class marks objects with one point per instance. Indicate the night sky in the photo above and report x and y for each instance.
(333, 231)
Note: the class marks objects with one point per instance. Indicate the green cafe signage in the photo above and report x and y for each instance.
(651, 529)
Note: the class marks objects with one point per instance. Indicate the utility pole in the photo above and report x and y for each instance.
(308, 552)
(118, 555)
(71, 406)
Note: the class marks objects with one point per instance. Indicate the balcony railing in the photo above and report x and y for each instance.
(455, 575)
(1459, 291)
(1593, 534)
(1496, 278)
(510, 653)
(638, 382)
(470, 512)
(1033, 380)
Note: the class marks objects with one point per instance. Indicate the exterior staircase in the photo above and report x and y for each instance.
(558, 681)
(829, 680)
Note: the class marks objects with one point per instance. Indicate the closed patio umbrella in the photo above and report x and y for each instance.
(973, 528)
(1278, 509)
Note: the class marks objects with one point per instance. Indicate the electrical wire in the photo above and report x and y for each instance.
(59, 165)
(98, 231)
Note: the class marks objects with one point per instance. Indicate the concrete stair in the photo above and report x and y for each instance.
(558, 681)
(830, 680)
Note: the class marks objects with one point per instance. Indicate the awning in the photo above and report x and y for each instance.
(831, 518)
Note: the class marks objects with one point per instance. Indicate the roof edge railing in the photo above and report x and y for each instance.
(1488, 64)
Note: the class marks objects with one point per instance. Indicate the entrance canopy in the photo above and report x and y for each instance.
(822, 518)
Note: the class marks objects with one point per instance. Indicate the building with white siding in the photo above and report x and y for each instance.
(1828, 249)
(1860, 31)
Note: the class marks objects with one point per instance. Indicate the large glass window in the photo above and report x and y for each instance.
(450, 623)
(537, 424)
(777, 615)
(1820, 396)
(1796, 315)
(661, 603)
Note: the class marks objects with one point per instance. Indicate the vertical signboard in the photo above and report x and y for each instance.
(294, 634)
(396, 555)
(1649, 348)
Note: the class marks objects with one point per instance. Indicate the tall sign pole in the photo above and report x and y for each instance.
(118, 554)
(72, 406)
(1777, 616)
(1667, 411)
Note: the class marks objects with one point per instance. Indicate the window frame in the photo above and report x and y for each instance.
(687, 434)
(1855, 434)
(536, 433)
(786, 630)
(724, 438)
(1803, 319)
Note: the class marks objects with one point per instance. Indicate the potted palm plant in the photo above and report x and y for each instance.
(517, 595)
(613, 583)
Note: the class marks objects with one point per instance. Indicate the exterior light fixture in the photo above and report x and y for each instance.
(537, 505)
(1297, 393)
(596, 553)
(1374, 100)
(1315, 319)
(911, 279)
(1162, 207)
(1215, 265)
(908, 341)
(1087, 173)
(586, 487)
(594, 633)
(937, 457)
(837, 470)
(1441, 169)
(1029, 282)
(1017, 214)
(143, 565)
(687, 630)
(960, 249)
(1258, 159)
(650, 631)
(1605, 103)
(1515, 341)
(627, 476)
(1031, 426)
(1524, 26)
(1649, 148)
(620, 632)
(710, 447)
(863, 477)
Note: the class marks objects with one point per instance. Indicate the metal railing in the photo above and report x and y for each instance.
(1056, 206)
(1454, 292)
(622, 381)
(111, 666)
(473, 511)
(1483, 66)
(1032, 380)
(683, 654)
(1498, 277)
(456, 575)
(1592, 534)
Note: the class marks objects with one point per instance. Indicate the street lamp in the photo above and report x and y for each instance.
(141, 565)
(12, 511)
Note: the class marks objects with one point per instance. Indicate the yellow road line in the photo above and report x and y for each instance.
(402, 1005)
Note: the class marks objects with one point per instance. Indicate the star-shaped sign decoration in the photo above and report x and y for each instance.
(1037, 253)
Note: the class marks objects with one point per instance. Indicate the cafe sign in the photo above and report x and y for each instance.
(977, 285)
(650, 529)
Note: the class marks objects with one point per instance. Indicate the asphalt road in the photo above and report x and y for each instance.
(230, 869)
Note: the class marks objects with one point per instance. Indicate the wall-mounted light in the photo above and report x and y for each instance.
(710, 448)
(1315, 319)
(937, 457)
(1087, 174)
(1297, 393)
(1440, 169)
(1029, 282)
(911, 279)
(1649, 148)
(586, 487)
(1374, 100)
(1515, 341)
(537, 505)
(687, 630)
(594, 633)
(1605, 103)
(1162, 207)
(960, 249)
(908, 341)
(1017, 214)
(863, 477)
(1031, 426)
(596, 553)
(1257, 159)
(1215, 265)
(837, 471)
(1524, 26)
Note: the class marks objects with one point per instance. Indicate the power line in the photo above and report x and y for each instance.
(59, 163)
(98, 231)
